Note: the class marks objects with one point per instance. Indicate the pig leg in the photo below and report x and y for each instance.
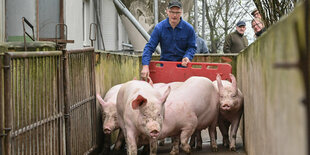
(153, 147)
(184, 137)
(161, 142)
(212, 134)
(131, 144)
(119, 140)
(233, 134)
(224, 127)
(198, 140)
(175, 145)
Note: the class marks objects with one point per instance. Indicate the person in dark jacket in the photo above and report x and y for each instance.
(236, 41)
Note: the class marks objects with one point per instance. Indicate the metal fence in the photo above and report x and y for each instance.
(47, 102)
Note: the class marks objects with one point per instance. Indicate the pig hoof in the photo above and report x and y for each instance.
(174, 153)
(233, 149)
(186, 148)
(214, 149)
(199, 147)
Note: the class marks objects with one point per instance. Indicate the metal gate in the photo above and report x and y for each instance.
(47, 103)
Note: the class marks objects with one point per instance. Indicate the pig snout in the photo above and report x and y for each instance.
(154, 134)
(225, 107)
(107, 130)
(153, 129)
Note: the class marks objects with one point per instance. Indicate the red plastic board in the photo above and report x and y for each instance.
(167, 71)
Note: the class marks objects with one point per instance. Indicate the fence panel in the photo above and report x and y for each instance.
(81, 101)
(1, 106)
(37, 103)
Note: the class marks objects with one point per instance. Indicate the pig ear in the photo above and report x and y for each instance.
(100, 99)
(219, 81)
(138, 102)
(165, 95)
(233, 81)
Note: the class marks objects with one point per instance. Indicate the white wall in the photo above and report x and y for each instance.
(2, 20)
(73, 17)
(15, 13)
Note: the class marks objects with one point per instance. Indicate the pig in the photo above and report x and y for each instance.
(140, 111)
(161, 87)
(109, 115)
(193, 105)
(231, 109)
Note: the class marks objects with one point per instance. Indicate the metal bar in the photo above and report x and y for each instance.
(195, 15)
(95, 33)
(33, 54)
(61, 18)
(24, 30)
(73, 107)
(155, 12)
(80, 50)
(1, 107)
(93, 88)
(66, 102)
(307, 67)
(203, 19)
(35, 125)
(7, 104)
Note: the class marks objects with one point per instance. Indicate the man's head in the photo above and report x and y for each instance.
(240, 27)
(174, 12)
(256, 14)
(257, 25)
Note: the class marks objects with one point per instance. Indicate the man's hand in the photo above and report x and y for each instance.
(145, 72)
(185, 61)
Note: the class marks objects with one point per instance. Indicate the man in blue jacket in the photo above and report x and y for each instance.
(176, 37)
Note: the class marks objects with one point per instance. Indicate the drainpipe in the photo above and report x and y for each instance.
(156, 11)
(133, 20)
(196, 16)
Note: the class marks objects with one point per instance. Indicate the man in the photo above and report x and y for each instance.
(201, 45)
(176, 37)
(256, 14)
(258, 26)
(236, 41)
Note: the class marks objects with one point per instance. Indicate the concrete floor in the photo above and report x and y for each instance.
(206, 149)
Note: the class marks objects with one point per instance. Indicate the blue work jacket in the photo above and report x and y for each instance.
(175, 43)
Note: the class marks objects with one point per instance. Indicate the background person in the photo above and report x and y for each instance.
(201, 45)
(236, 41)
(258, 26)
(176, 37)
(256, 14)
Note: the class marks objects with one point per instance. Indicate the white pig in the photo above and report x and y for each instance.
(231, 109)
(109, 115)
(193, 105)
(140, 111)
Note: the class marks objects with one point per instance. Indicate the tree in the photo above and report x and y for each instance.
(221, 18)
(271, 11)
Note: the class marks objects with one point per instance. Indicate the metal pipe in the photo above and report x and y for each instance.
(66, 102)
(195, 15)
(133, 20)
(155, 12)
(7, 105)
(203, 19)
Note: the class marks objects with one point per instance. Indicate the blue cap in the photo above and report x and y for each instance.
(173, 3)
(241, 23)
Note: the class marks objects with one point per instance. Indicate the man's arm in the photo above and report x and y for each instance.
(191, 50)
(149, 49)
